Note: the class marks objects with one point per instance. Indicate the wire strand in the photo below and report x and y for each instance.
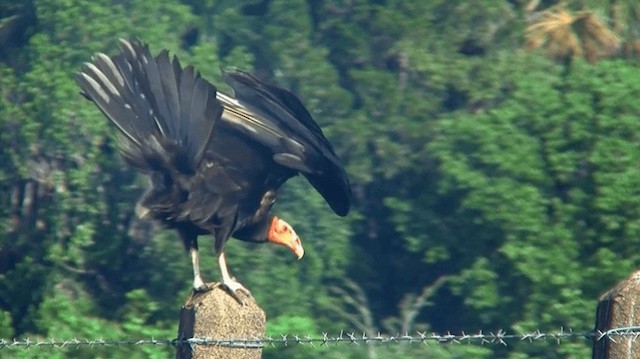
(499, 337)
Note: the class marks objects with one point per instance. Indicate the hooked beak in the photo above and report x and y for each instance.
(283, 234)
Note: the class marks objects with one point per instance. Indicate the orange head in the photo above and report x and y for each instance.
(281, 233)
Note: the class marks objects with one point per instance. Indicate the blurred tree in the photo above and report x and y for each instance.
(493, 189)
(552, 171)
(66, 196)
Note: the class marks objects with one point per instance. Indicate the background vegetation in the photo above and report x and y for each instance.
(493, 147)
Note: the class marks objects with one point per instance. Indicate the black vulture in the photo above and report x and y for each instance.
(215, 161)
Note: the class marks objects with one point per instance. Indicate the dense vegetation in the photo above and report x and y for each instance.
(497, 185)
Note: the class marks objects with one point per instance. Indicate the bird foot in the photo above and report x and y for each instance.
(199, 286)
(205, 287)
(233, 287)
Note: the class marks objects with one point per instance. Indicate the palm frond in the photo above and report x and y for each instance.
(568, 35)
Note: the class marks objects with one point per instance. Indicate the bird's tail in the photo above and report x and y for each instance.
(165, 113)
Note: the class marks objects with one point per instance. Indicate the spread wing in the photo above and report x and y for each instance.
(278, 120)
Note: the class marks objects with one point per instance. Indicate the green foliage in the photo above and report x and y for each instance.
(537, 172)
(6, 326)
(292, 325)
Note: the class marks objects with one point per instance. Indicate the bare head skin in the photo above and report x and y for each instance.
(280, 232)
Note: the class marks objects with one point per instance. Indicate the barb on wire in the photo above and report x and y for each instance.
(499, 337)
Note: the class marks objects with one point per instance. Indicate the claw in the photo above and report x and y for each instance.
(205, 287)
(233, 287)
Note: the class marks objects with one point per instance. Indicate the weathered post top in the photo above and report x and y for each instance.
(216, 315)
(618, 308)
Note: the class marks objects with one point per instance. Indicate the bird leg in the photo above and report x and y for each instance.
(229, 282)
(198, 283)
(190, 241)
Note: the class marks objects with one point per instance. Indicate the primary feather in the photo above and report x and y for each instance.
(215, 161)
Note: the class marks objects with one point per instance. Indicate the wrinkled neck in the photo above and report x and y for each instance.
(257, 233)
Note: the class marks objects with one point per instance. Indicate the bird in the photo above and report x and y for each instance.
(215, 161)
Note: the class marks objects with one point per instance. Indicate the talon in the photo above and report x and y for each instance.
(233, 287)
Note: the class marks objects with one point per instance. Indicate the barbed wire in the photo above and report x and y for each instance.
(499, 337)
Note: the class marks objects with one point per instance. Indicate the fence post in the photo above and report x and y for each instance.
(216, 315)
(618, 308)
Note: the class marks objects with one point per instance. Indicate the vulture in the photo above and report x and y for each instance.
(214, 161)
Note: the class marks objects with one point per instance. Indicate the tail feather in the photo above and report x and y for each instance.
(134, 90)
(187, 86)
(166, 114)
(168, 98)
(101, 91)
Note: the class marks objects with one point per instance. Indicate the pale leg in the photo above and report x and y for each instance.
(198, 284)
(228, 282)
